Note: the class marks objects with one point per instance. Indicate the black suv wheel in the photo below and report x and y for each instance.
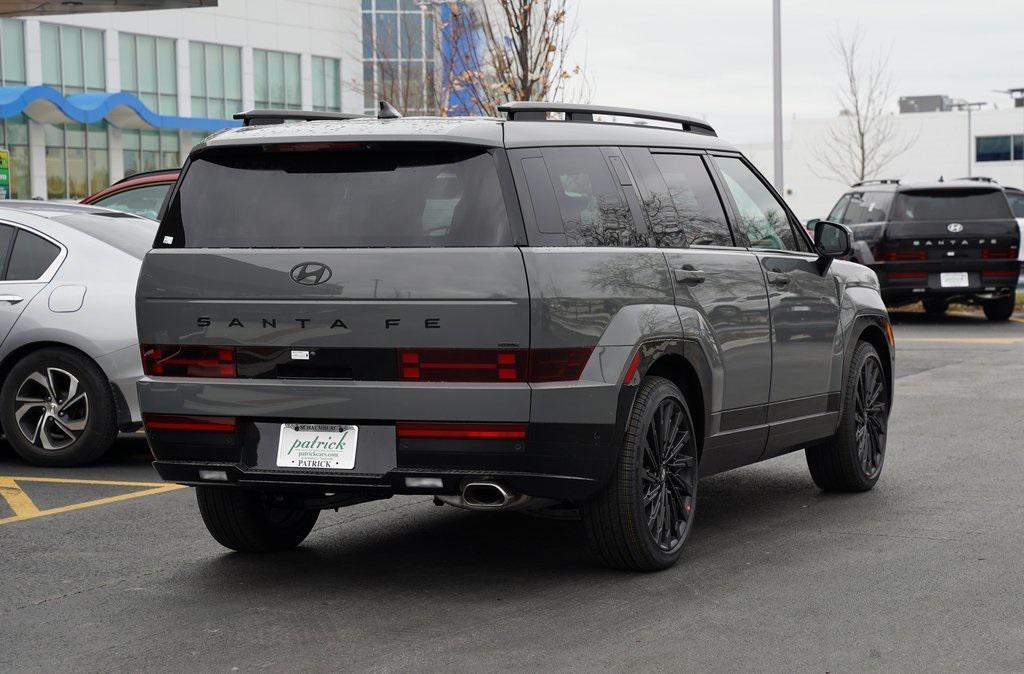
(57, 409)
(248, 521)
(852, 459)
(643, 517)
(1000, 309)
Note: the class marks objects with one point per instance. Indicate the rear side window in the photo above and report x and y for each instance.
(867, 207)
(951, 204)
(1016, 200)
(31, 256)
(363, 197)
(589, 202)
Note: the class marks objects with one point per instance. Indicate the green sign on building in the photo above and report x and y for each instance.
(5, 174)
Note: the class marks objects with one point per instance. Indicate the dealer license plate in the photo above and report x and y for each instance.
(954, 279)
(326, 446)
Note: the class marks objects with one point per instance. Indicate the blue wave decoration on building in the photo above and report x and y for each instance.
(123, 110)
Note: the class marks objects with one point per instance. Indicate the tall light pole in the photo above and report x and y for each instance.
(970, 107)
(777, 90)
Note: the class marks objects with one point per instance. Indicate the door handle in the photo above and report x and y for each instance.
(689, 276)
(11, 299)
(778, 279)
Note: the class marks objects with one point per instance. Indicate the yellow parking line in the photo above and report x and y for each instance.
(24, 509)
(19, 502)
(961, 340)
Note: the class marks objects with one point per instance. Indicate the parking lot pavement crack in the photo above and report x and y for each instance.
(907, 536)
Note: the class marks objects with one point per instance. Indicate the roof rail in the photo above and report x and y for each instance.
(578, 112)
(257, 117)
(877, 181)
(980, 179)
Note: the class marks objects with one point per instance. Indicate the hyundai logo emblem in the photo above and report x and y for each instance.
(311, 273)
(955, 227)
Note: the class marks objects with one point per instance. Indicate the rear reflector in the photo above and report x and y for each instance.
(903, 255)
(999, 254)
(999, 273)
(633, 365)
(409, 429)
(492, 365)
(167, 422)
(188, 361)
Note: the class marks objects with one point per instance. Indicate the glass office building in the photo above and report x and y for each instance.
(87, 99)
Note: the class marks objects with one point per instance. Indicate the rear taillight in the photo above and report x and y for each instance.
(462, 365)
(446, 431)
(558, 364)
(999, 274)
(188, 361)
(492, 365)
(168, 422)
(999, 254)
(903, 255)
(907, 275)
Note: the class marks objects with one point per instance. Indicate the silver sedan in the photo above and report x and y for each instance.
(69, 358)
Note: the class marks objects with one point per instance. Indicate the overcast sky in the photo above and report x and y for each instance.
(712, 58)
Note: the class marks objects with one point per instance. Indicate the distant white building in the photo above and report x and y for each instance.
(942, 146)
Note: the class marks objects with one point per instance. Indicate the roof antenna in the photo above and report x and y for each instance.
(941, 179)
(387, 111)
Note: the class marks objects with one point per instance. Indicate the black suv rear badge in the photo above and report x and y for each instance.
(310, 273)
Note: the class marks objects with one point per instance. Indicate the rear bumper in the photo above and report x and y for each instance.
(985, 280)
(559, 461)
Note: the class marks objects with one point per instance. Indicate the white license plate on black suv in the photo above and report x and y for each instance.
(325, 446)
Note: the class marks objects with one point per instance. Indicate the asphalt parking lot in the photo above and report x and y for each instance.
(925, 572)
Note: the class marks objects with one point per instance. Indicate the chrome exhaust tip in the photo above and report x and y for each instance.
(486, 495)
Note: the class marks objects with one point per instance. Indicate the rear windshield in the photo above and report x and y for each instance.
(122, 231)
(951, 205)
(364, 197)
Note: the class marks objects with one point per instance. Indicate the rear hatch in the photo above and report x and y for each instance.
(337, 282)
(968, 233)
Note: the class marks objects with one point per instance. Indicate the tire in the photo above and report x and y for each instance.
(243, 520)
(935, 306)
(57, 408)
(1000, 309)
(852, 459)
(623, 530)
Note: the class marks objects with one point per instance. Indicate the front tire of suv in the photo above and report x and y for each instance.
(1000, 309)
(246, 521)
(642, 518)
(57, 408)
(851, 460)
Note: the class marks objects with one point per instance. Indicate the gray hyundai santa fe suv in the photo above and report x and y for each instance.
(510, 313)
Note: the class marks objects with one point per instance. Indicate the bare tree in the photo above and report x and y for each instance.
(865, 139)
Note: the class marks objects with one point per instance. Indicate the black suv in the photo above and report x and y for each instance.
(936, 242)
(501, 313)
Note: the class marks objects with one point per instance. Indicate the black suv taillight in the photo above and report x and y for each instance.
(188, 361)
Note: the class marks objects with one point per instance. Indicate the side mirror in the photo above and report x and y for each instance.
(812, 224)
(832, 239)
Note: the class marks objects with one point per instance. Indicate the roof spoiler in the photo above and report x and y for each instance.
(578, 112)
(259, 117)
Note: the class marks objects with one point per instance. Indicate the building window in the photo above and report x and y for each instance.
(12, 52)
(326, 84)
(399, 56)
(276, 80)
(72, 58)
(999, 148)
(76, 160)
(149, 70)
(149, 150)
(216, 80)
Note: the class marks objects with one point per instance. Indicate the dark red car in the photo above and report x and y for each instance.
(141, 194)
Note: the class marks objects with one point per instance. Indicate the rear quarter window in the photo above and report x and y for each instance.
(360, 197)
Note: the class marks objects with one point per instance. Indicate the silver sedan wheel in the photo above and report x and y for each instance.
(52, 413)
